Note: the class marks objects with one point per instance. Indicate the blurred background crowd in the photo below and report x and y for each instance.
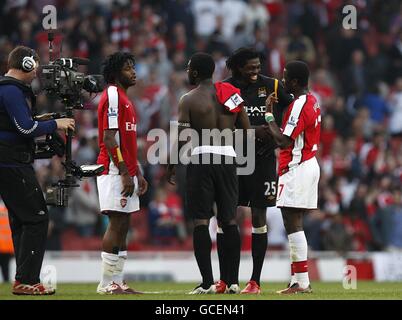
(356, 75)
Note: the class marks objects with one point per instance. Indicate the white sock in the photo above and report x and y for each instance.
(118, 270)
(298, 256)
(109, 261)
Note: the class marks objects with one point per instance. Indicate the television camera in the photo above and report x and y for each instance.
(61, 80)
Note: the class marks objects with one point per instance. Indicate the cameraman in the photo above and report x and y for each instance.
(19, 187)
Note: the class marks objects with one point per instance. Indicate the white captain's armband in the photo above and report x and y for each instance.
(184, 124)
(113, 109)
(233, 104)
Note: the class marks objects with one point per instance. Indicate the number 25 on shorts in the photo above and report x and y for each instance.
(271, 188)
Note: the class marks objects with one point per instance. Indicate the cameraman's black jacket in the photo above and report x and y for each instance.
(254, 96)
(17, 127)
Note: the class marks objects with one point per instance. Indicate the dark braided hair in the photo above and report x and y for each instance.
(240, 57)
(113, 65)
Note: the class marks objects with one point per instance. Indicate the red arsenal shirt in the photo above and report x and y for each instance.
(116, 111)
(302, 123)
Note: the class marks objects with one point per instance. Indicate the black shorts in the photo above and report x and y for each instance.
(209, 183)
(22, 195)
(259, 189)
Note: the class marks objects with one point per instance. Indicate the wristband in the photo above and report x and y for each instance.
(269, 117)
(115, 155)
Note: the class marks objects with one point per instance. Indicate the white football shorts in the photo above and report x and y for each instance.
(298, 188)
(110, 197)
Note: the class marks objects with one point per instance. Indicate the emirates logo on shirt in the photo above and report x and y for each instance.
(123, 202)
(131, 126)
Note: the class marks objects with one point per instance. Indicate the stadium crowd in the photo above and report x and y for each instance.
(356, 74)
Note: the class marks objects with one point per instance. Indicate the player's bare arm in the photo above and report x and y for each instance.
(281, 140)
(184, 115)
(183, 123)
(111, 145)
(243, 122)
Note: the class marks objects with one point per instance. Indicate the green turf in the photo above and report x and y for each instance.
(177, 291)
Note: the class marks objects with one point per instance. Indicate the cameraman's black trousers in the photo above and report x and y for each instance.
(29, 220)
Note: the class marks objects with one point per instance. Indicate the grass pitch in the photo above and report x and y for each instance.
(366, 290)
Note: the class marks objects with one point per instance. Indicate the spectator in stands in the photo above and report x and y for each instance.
(6, 243)
(322, 86)
(83, 209)
(381, 225)
(166, 216)
(342, 118)
(256, 16)
(376, 104)
(300, 47)
(312, 224)
(395, 59)
(328, 134)
(335, 236)
(395, 239)
(356, 220)
(395, 103)
(179, 11)
(355, 76)
(206, 13)
(357, 206)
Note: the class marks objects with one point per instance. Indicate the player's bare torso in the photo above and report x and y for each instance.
(206, 112)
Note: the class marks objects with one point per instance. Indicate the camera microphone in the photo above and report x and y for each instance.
(70, 62)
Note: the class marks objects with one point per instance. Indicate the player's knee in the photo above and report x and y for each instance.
(118, 223)
(228, 224)
(258, 221)
(292, 224)
(258, 217)
(287, 222)
(293, 229)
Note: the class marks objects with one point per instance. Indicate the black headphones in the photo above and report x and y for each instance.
(28, 63)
